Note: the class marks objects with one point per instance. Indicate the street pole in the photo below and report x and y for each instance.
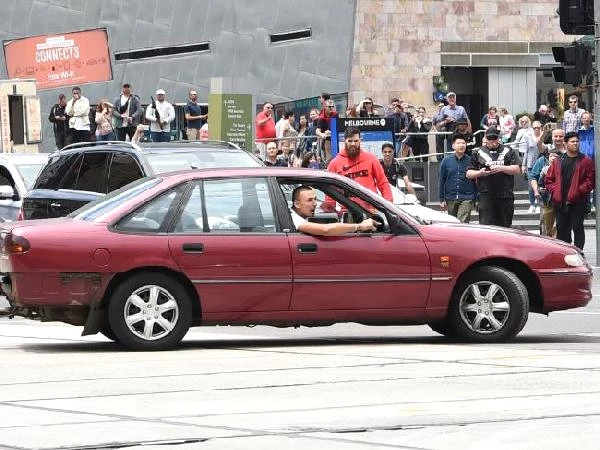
(597, 122)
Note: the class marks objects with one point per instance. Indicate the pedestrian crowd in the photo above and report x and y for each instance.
(77, 120)
(559, 171)
(557, 161)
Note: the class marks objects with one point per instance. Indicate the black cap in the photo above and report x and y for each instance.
(492, 132)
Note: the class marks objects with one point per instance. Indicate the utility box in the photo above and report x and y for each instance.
(20, 117)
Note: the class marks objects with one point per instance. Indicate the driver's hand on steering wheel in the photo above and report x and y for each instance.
(368, 225)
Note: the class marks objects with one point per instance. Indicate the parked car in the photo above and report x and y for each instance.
(219, 247)
(17, 174)
(411, 205)
(83, 172)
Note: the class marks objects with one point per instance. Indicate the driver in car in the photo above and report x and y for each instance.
(304, 204)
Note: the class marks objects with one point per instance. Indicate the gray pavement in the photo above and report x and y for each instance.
(342, 387)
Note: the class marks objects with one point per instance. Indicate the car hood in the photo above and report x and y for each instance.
(426, 214)
(493, 237)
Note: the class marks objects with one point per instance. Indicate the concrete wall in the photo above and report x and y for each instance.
(238, 33)
(401, 44)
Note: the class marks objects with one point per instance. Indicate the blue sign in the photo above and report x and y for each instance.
(373, 133)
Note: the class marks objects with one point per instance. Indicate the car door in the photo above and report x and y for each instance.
(228, 243)
(381, 271)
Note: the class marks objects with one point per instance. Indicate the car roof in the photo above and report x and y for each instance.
(149, 147)
(232, 172)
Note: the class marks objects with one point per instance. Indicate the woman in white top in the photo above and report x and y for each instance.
(507, 124)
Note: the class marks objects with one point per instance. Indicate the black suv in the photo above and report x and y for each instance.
(86, 171)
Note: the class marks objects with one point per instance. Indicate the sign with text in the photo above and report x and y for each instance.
(373, 133)
(60, 60)
(231, 118)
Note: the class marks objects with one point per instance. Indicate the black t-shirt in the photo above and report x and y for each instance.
(394, 171)
(500, 185)
(323, 124)
(567, 169)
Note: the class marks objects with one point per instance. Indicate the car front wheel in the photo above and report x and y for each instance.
(490, 304)
(150, 312)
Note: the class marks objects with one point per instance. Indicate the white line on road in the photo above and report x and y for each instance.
(577, 312)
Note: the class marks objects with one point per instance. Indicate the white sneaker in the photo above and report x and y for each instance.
(537, 210)
(531, 209)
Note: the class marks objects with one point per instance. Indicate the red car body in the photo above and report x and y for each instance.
(70, 269)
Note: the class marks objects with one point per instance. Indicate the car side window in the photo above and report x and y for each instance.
(334, 203)
(92, 173)
(154, 216)
(232, 205)
(191, 219)
(123, 170)
(6, 178)
(60, 172)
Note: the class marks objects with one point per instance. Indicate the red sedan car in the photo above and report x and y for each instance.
(208, 247)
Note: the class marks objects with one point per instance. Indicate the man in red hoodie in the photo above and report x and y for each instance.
(362, 166)
(569, 181)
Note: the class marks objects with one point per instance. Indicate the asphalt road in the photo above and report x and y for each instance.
(342, 387)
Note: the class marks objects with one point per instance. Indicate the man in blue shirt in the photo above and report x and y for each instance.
(457, 193)
(449, 116)
(194, 117)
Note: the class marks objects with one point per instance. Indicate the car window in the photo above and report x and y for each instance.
(60, 172)
(6, 178)
(232, 205)
(105, 204)
(123, 170)
(200, 159)
(28, 173)
(331, 198)
(92, 172)
(154, 215)
(191, 219)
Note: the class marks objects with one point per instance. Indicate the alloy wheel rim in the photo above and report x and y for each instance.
(484, 307)
(151, 312)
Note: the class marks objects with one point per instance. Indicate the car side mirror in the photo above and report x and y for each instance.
(7, 192)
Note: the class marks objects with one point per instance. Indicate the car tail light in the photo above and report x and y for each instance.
(21, 216)
(15, 244)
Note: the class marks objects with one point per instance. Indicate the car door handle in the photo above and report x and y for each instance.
(55, 205)
(193, 248)
(307, 248)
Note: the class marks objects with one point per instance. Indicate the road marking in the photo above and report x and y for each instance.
(577, 312)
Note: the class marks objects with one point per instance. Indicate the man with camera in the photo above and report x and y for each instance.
(493, 167)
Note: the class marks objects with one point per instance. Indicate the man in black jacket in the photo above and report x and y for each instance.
(60, 122)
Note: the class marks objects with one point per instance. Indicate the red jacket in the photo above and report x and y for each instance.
(365, 169)
(582, 182)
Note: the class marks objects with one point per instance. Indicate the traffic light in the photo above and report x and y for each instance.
(576, 63)
(576, 16)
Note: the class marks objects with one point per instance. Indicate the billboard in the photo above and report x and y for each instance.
(60, 60)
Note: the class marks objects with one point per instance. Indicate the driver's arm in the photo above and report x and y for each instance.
(336, 229)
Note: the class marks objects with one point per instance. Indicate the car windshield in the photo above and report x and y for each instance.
(29, 172)
(96, 208)
(200, 159)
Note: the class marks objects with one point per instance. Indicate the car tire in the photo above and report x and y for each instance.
(150, 312)
(490, 304)
(444, 328)
(108, 333)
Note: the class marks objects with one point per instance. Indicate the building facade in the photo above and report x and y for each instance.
(490, 52)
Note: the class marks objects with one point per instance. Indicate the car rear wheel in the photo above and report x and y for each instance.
(150, 312)
(490, 304)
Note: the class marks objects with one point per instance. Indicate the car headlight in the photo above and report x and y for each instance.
(574, 260)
